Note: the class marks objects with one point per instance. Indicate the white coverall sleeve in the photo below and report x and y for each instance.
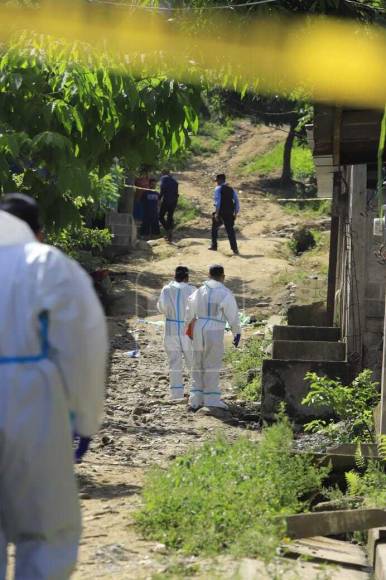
(161, 304)
(191, 308)
(231, 312)
(77, 336)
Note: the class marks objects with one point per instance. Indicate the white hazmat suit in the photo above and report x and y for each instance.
(53, 347)
(172, 303)
(210, 307)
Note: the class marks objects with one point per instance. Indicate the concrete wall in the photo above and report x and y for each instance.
(375, 288)
(124, 231)
(361, 277)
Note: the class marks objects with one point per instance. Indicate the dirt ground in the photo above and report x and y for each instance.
(142, 427)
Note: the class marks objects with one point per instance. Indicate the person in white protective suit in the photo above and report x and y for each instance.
(208, 311)
(172, 303)
(53, 346)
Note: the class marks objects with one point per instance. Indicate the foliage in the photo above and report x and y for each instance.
(73, 240)
(352, 405)
(371, 484)
(73, 120)
(246, 363)
(223, 497)
(302, 162)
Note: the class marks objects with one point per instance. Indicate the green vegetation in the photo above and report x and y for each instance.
(227, 497)
(371, 484)
(74, 121)
(208, 140)
(186, 212)
(308, 209)
(301, 162)
(74, 241)
(352, 405)
(246, 363)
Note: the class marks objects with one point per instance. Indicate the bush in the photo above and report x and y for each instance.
(352, 405)
(75, 240)
(246, 365)
(228, 496)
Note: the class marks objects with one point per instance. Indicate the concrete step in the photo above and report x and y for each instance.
(283, 381)
(316, 333)
(295, 350)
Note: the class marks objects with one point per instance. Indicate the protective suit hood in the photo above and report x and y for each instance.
(14, 231)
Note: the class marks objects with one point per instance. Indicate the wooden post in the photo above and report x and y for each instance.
(332, 263)
(356, 275)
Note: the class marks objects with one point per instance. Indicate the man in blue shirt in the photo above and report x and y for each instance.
(227, 206)
(169, 200)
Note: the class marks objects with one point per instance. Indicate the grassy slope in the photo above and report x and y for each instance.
(302, 162)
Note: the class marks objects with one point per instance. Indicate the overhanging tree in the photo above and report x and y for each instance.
(63, 121)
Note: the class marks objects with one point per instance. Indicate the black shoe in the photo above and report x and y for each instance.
(212, 248)
(236, 253)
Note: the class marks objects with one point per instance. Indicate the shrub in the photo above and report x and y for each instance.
(73, 240)
(229, 496)
(352, 405)
(246, 365)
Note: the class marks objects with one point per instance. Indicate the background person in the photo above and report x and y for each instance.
(227, 206)
(150, 223)
(53, 346)
(172, 303)
(209, 309)
(169, 200)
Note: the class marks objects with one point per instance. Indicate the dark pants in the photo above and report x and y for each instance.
(166, 215)
(150, 226)
(228, 221)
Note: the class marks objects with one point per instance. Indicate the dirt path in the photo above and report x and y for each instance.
(142, 427)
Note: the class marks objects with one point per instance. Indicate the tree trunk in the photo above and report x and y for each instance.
(286, 176)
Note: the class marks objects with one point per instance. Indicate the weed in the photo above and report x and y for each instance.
(352, 405)
(229, 497)
(301, 161)
(246, 365)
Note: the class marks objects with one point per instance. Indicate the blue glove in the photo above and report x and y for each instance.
(236, 340)
(82, 445)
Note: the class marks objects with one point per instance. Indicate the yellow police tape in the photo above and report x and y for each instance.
(330, 60)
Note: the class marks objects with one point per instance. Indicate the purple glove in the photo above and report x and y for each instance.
(82, 445)
(236, 340)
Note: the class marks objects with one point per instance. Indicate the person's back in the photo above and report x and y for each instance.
(209, 309)
(52, 367)
(172, 304)
(169, 189)
(227, 203)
